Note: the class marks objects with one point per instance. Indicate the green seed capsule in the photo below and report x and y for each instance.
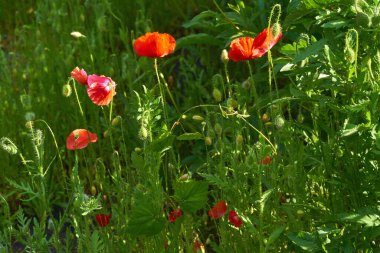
(208, 141)
(217, 94)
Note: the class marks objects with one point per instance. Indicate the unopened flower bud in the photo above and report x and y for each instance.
(265, 117)
(239, 139)
(276, 29)
(218, 129)
(349, 54)
(224, 56)
(208, 141)
(198, 118)
(217, 94)
(143, 133)
(8, 145)
(93, 190)
(279, 121)
(232, 103)
(66, 90)
(116, 121)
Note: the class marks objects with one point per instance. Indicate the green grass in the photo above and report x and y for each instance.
(318, 88)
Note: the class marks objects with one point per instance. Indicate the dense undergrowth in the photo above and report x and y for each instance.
(299, 165)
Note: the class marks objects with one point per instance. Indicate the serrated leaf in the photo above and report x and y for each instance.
(190, 136)
(215, 180)
(369, 219)
(191, 196)
(310, 50)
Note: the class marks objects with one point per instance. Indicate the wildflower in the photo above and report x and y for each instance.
(103, 219)
(79, 139)
(174, 215)
(247, 48)
(265, 161)
(154, 45)
(79, 75)
(100, 89)
(235, 219)
(218, 210)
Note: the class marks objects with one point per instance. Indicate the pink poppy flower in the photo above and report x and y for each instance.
(79, 75)
(79, 139)
(103, 219)
(100, 89)
(235, 219)
(218, 210)
(174, 215)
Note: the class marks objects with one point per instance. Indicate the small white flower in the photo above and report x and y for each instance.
(77, 34)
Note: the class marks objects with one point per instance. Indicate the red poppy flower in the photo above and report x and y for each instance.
(79, 139)
(235, 219)
(247, 48)
(103, 219)
(154, 45)
(197, 246)
(218, 210)
(100, 89)
(265, 161)
(80, 75)
(174, 215)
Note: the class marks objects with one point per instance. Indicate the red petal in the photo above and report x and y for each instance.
(218, 210)
(235, 219)
(103, 219)
(241, 49)
(154, 45)
(79, 139)
(79, 75)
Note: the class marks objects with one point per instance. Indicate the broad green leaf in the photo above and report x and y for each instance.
(191, 196)
(200, 19)
(305, 241)
(335, 24)
(190, 136)
(146, 219)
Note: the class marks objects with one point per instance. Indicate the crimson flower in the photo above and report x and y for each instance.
(174, 215)
(100, 89)
(154, 45)
(103, 219)
(218, 210)
(265, 161)
(79, 75)
(235, 219)
(79, 139)
(247, 48)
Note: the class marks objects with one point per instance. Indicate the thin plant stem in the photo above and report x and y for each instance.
(170, 95)
(161, 90)
(228, 81)
(77, 98)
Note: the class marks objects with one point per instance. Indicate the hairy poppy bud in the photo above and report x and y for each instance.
(224, 56)
(217, 94)
(116, 121)
(232, 103)
(208, 141)
(66, 90)
(8, 145)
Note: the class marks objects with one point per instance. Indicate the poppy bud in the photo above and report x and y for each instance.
(232, 103)
(218, 129)
(276, 29)
(265, 117)
(8, 145)
(93, 190)
(116, 121)
(217, 94)
(143, 133)
(77, 35)
(279, 121)
(208, 141)
(349, 54)
(66, 90)
(239, 139)
(198, 118)
(224, 56)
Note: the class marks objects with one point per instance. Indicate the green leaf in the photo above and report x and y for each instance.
(200, 19)
(367, 219)
(200, 38)
(191, 196)
(335, 24)
(274, 235)
(305, 241)
(190, 136)
(310, 50)
(146, 219)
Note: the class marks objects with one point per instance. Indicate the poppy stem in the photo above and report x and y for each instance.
(254, 94)
(77, 97)
(161, 90)
(228, 80)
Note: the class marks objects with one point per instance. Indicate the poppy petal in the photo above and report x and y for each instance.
(79, 139)
(154, 45)
(79, 75)
(103, 219)
(218, 210)
(100, 89)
